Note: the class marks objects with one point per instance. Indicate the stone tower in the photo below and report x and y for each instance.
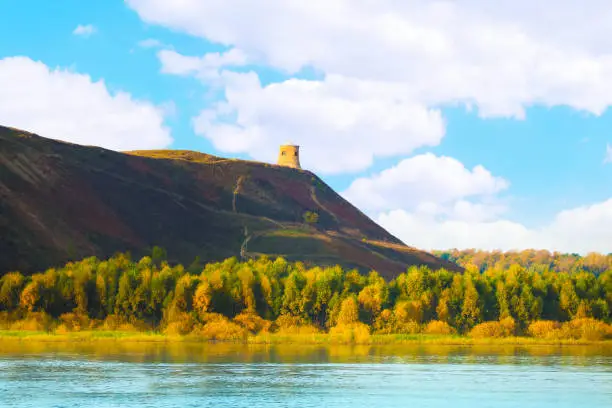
(289, 156)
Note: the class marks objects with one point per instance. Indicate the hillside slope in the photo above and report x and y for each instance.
(60, 202)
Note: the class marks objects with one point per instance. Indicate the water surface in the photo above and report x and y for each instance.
(201, 375)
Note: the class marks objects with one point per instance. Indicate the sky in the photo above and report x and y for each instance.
(453, 124)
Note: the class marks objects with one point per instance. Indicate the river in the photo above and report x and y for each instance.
(58, 375)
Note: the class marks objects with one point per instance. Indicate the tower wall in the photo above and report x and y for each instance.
(289, 156)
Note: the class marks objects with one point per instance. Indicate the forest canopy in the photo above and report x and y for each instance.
(497, 295)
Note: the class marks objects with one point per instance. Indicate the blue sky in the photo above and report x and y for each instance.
(528, 106)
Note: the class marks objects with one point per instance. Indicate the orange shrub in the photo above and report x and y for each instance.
(544, 329)
(181, 324)
(502, 328)
(586, 329)
(508, 326)
(221, 329)
(439, 327)
(253, 322)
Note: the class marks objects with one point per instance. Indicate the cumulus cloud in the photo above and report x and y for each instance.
(84, 30)
(341, 127)
(68, 106)
(434, 202)
(582, 230)
(430, 233)
(391, 60)
(501, 58)
(422, 179)
(608, 158)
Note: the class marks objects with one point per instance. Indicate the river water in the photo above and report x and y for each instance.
(201, 375)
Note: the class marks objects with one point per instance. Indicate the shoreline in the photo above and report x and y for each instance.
(288, 339)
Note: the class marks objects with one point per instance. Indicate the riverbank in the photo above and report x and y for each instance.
(285, 338)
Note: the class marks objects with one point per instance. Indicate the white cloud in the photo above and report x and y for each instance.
(608, 158)
(84, 30)
(583, 229)
(69, 106)
(499, 57)
(151, 43)
(425, 179)
(437, 203)
(429, 233)
(342, 126)
(398, 61)
(205, 68)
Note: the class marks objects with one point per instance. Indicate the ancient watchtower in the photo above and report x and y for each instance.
(289, 156)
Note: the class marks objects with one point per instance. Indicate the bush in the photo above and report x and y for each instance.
(486, 329)
(211, 317)
(286, 321)
(7, 319)
(503, 328)
(221, 329)
(439, 327)
(288, 324)
(310, 217)
(74, 322)
(181, 324)
(253, 322)
(508, 326)
(112, 322)
(586, 329)
(354, 333)
(34, 321)
(544, 329)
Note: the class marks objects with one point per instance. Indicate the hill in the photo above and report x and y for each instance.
(61, 201)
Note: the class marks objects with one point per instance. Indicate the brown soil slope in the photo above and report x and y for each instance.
(60, 202)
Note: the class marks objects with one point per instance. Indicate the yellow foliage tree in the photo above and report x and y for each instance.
(349, 311)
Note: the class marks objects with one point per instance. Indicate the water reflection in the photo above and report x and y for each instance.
(140, 352)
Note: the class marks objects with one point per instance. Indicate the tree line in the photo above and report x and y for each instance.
(554, 261)
(263, 294)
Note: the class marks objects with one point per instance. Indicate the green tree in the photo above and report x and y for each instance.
(11, 286)
(471, 308)
(311, 217)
